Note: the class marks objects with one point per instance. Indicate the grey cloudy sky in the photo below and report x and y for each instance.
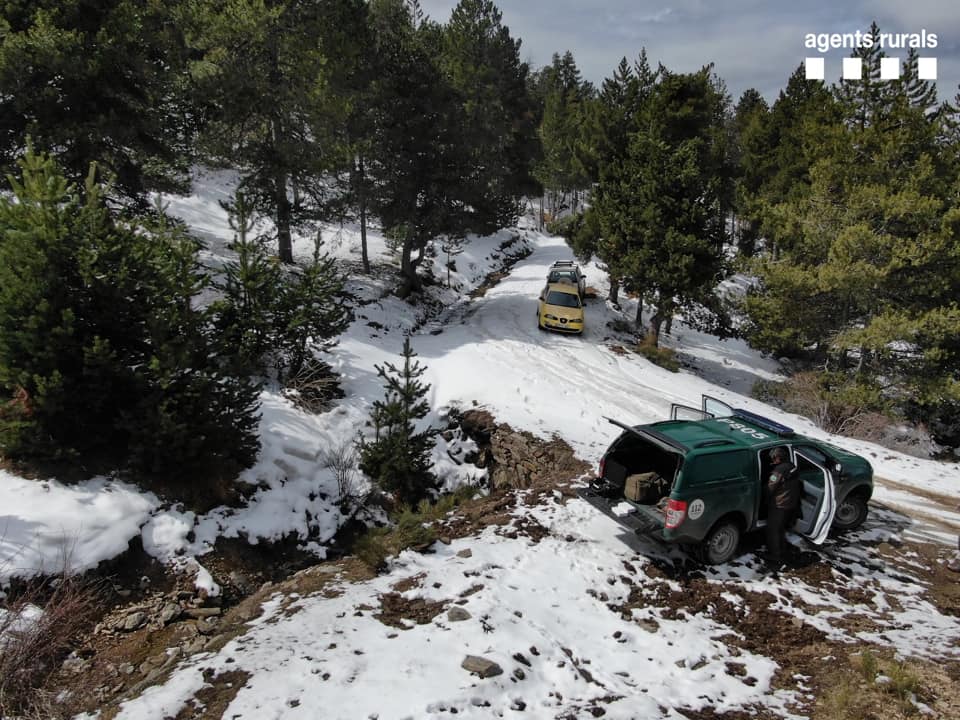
(752, 43)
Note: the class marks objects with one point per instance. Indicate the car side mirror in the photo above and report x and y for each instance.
(541, 296)
(838, 468)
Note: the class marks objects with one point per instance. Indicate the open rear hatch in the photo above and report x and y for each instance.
(638, 452)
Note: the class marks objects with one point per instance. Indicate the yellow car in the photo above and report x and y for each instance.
(560, 308)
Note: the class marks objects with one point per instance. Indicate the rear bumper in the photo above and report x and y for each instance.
(643, 520)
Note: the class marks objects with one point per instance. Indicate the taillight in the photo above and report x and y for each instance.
(676, 512)
(603, 460)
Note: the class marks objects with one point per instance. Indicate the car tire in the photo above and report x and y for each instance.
(721, 544)
(851, 513)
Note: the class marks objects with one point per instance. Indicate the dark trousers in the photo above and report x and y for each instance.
(776, 531)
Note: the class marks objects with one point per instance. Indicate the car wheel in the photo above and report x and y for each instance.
(721, 544)
(850, 513)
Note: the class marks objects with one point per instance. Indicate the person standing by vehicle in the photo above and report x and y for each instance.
(783, 493)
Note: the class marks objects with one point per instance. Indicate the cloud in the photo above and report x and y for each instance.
(752, 43)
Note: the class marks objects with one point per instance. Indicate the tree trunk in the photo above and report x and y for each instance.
(669, 324)
(614, 295)
(639, 318)
(282, 203)
(362, 202)
(653, 330)
(410, 281)
(540, 226)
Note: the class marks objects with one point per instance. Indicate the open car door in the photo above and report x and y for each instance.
(818, 502)
(685, 412)
(715, 408)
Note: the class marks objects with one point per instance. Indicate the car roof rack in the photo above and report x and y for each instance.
(764, 422)
(563, 263)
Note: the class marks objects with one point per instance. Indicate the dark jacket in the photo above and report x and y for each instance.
(784, 486)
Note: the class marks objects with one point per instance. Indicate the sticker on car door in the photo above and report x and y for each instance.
(696, 509)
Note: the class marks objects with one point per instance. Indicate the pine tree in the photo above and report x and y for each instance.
(418, 158)
(311, 310)
(397, 457)
(481, 61)
(867, 270)
(103, 348)
(660, 205)
(751, 156)
(269, 74)
(98, 82)
(565, 96)
(866, 97)
(250, 286)
(267, 315)
(615, 117)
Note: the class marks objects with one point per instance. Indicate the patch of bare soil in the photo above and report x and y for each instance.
(397, 611)
(409, 583)
(212, 700)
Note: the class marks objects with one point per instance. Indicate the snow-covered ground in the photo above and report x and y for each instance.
(328, 657)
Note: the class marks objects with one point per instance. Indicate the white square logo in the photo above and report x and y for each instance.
(927, 68)
(852, 69)
(889, 68)
(814, 67)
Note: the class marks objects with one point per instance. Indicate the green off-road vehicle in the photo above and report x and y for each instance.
(701, 481)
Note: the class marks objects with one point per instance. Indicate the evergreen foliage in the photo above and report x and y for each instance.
(863, 272)
(98, 82)
(565, 100)
(481, 61)
(659, 205)
(453, 140)
(397, 457)
(102, 350)
(274, 97)
(268, 315)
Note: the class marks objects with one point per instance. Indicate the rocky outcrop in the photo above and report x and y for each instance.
(518, 459)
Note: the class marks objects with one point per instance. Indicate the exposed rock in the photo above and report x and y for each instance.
(241, 582)
(126, 669)
(193, 645)
(649, 624)
(74, 664)
(481, 666)
(169, 613)
(207, 625)
(465, 553)
(134, 621)
(202, 612)
(457, 614)
(517, 459)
